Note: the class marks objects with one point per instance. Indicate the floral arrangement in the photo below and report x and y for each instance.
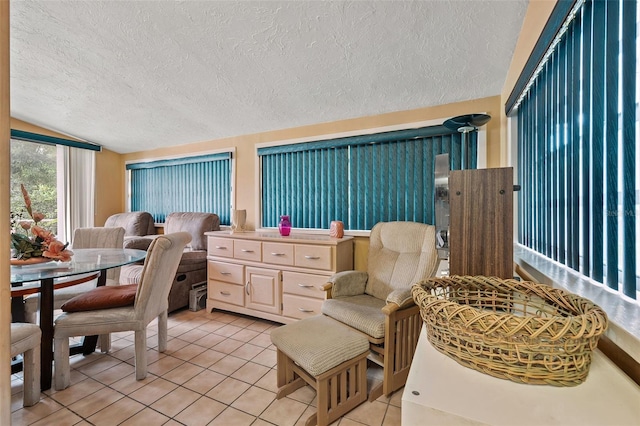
(41, 243)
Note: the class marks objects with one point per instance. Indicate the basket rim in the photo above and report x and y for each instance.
(429, 301)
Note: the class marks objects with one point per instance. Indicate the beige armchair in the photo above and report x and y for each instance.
(379, 303)
(135, 224)
(193, 264)
(150, 303)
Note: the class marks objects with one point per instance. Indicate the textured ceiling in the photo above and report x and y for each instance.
(135, 75)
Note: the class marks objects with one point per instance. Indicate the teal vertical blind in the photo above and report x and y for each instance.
(360, 180)
(577, 147)
(193, 184)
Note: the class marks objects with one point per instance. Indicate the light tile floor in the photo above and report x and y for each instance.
(219, 369)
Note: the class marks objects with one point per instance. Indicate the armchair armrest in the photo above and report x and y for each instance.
(139, 243)
(398, 299)
(347, 283)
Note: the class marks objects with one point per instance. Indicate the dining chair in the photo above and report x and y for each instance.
(109, 237)
(151, 301)
(379, 303)
(25, 340)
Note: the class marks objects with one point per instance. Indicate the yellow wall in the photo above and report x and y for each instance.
(538, 13)
(110, 172)
(5, 166)
(246, 159)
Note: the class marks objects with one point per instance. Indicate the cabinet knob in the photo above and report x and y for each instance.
(221, 247)
(247, 251)
(312, 257)
(225, 273)
(306, 311)
(225, 293)
(305, 285)
(277, 254)
(246, 288)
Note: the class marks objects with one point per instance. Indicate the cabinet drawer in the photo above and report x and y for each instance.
(300, 307)
(227, 272)
(303, 284)
(224, 292)
(316, 257)
(220, 247)
(247, 250)
(277, 253)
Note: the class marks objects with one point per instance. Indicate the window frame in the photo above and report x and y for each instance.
(232, 178)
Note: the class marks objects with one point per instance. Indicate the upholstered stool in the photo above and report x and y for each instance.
(327, 355)
(25, 340)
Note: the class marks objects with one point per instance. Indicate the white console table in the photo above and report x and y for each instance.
(439, 391)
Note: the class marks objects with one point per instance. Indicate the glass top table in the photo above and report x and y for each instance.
(44, 277)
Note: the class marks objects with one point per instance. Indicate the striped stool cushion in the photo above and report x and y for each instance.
(319, 343)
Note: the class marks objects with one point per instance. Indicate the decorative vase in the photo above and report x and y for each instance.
(238, 219)
(284, 226)
(337, 229)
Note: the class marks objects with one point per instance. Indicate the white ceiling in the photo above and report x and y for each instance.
(136, 75)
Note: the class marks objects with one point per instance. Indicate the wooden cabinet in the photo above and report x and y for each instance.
(273, 277)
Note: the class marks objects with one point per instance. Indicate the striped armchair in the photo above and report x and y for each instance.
(379, 303)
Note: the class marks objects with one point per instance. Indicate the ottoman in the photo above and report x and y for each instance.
(327, 355)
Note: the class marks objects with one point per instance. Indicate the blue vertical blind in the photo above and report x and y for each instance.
(360, 180)
(577, 147)
(193, 184)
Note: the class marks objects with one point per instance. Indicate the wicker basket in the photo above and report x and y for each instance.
(521, 331)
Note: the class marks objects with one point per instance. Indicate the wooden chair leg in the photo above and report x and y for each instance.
(61, 363)
(140, 348)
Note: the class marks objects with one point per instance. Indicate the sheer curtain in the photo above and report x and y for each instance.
(76, 186)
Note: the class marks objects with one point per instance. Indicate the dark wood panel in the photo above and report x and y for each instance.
(481, 222)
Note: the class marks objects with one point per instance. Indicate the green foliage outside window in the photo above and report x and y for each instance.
(34, 165)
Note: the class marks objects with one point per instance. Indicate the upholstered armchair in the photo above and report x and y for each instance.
(193, 264)
(135, 224)
(378, 302)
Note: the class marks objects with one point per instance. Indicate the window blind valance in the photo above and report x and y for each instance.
(21, 135)
(422, 132)
(178, 161)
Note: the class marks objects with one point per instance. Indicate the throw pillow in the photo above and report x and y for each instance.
(103, 297)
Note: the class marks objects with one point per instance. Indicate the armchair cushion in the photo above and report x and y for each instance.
(138, 243)
(400, 254)
(102, 298)
(401, 297)
(195, 224)
(134, 223)
(363, 312)
(348, 283)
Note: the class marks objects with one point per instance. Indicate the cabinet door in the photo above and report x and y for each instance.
(263, 290)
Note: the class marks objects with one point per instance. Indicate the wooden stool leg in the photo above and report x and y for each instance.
(288, 381)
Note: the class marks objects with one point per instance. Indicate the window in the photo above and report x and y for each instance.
(193, 184)
(59, 175)
(35, 166)
(578, 145)
(360, 180)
